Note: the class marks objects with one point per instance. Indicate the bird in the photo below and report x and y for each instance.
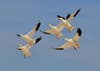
(55, 30)
(25, 49)
(73, 42)
(66, 21)
(28, 37)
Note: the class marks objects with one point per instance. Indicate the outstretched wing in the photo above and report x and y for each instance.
(70, 17)
(34, 29)
(60, 26)
(60, 17)
(38, 39)
(66, 45)
(48, 32)
(28, 46)
(77, 35)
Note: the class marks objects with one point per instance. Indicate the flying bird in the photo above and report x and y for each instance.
(73, 42)
(66, 21)
(28, 37)
(55, 30)
(25, 49)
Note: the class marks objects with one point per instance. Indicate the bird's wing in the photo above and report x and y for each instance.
(38, 39)
(28, 46)
(66, 45)
(60, 26)
(77, 35)
(70, 18)
(60, 17)
(48, 32)
(34, 30)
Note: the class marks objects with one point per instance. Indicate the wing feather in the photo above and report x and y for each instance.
(32, 32)
(48, 32)
(28, 46)
(77, 35)
(66, 45)
(60, 26)
(73, 15)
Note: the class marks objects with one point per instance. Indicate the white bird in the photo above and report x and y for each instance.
(28, 37)
(55, 30)
(72, 42)
(25, 49)
(66, 21)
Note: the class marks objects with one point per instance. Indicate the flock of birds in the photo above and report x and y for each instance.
(54, 30)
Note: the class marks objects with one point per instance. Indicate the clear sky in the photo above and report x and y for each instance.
(19, 16)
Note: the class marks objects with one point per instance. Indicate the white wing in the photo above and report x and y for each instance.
(73, 15)
(66, 45)
(60, 26)
(28, 46)
(31, 32)
(77, 35)
(34, 30)
(49, 32)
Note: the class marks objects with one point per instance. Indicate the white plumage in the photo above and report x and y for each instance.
(28, 37)
(73, 42)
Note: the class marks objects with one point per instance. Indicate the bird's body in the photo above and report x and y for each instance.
(73, 42)
(67, 25)
(66, 21)
(26, 48)
(54, 30)
(28, 37)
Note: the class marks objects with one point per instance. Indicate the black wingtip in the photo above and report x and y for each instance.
(79, 31)
(44, 32)
(38, 26)
(18, 35)
(38, 39)
(60, 16)
(77, 12)
(18, 48)
(67, 16)
(58, 48)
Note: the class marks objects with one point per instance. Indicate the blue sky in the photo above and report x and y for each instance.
(19, 16)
